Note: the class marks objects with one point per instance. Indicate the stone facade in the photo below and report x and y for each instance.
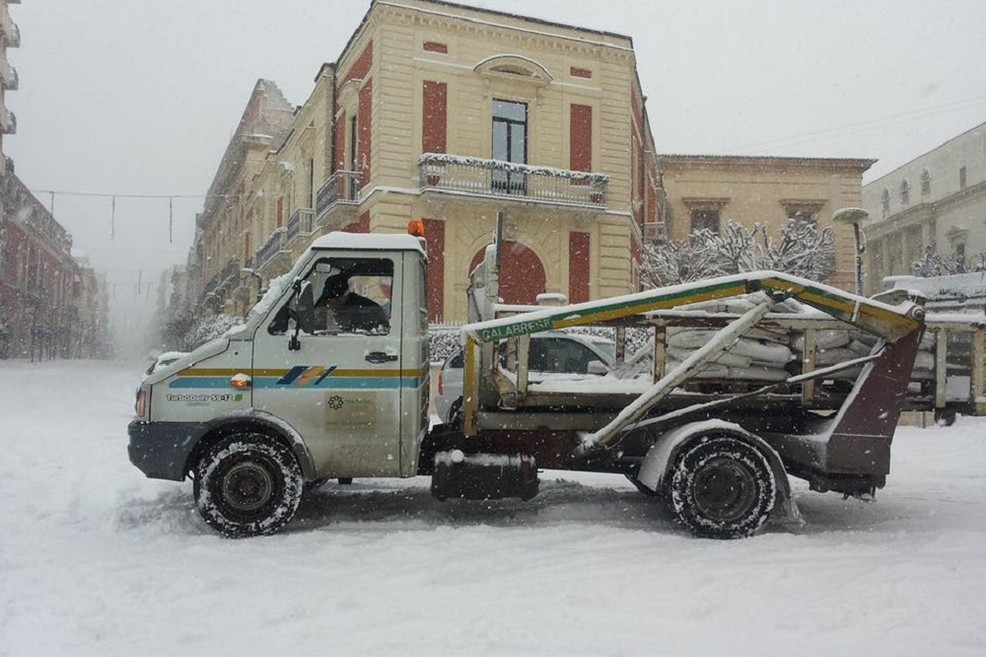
(711, 190)
(453, 114)
(224, 228)
(937, 200)
(51, 305)
(10, 37)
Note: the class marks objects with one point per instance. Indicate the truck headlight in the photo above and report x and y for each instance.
(140, 406)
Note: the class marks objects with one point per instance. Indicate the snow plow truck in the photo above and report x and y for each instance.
(292, 398)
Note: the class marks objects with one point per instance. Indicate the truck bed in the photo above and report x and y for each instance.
(953, 343)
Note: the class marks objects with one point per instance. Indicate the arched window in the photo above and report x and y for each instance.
(517, 67)
(905, 193)
(925, 182)
(522, 275)
(885, 201)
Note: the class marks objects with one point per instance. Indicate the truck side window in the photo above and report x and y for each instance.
(352, 297)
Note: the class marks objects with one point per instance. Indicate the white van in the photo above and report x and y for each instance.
(308, 388)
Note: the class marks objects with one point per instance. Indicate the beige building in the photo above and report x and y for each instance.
(450, 114)
(224, 231)
(707, 191)
(937, 200)
(51, 304)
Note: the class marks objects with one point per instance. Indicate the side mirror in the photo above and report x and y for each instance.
(306, 307)
(305, 310)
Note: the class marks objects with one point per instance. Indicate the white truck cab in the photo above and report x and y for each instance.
(327, 378)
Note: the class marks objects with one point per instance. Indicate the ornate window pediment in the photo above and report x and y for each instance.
(705, 202)
(516, 67)
(957, 233)
(802, 209)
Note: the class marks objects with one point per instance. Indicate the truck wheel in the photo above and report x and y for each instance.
(721, 487)
(248, 484)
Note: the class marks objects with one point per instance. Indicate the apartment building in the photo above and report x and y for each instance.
(707, 191)
(936, 200)
(51, 305)
(453, 115)
(227, 228)
(10, 37)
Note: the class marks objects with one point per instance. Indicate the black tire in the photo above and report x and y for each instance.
(721, 487)
(247, 484)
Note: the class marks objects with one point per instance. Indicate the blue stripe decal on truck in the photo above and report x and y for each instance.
(342, 383)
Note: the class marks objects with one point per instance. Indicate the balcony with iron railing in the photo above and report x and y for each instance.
(11, 33)
(9, 77)
(8, 121)
(273, 254)
(300, 224)
(230, 272)
(340, 191)
(475, 176)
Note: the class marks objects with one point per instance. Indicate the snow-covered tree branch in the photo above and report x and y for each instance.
(933, 264)
(801, 249)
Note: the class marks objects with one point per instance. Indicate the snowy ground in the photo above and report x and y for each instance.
(97, 560)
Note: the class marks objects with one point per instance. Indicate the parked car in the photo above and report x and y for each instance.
(551, 352)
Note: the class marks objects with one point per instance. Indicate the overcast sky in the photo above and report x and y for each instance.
(141, 97)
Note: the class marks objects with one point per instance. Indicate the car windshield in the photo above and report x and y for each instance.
(608, 347)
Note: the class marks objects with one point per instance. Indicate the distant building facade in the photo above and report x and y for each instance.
(936, 200)
(449, 114)
(51, 305)
(10, 37)
(708, 191)
(231, 228)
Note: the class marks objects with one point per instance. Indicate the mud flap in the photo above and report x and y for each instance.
(785, 511)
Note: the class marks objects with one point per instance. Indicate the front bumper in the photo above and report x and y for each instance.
(161, 449)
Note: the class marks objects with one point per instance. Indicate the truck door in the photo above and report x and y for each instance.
(338, 381)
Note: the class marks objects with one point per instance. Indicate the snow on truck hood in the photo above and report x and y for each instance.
(207, 350)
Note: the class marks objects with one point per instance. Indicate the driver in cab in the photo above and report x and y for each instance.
(348, 311)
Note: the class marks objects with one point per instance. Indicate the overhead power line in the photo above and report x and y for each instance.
(58, 192)
(795, 140)
(52, 193)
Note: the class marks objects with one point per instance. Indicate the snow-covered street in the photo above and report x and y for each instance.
(97, 560)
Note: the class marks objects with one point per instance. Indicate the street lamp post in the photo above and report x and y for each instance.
(855, 217)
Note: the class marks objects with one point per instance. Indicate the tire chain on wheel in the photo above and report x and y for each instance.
(285, 472)
(698, 453)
